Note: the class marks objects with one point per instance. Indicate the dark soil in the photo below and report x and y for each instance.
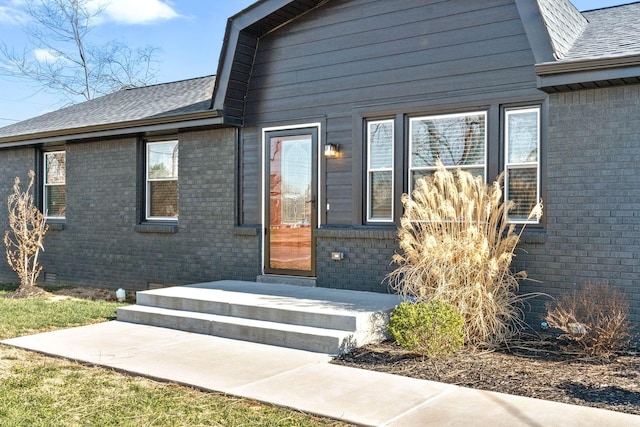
(539, 369)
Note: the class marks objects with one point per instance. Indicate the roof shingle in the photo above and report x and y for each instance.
(564, 24)
(127, 105)
(611, 32)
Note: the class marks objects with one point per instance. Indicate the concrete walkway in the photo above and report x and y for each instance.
(303, 380)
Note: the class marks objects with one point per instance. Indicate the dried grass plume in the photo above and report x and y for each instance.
(457, 246)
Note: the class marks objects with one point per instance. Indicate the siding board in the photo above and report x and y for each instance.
(463, 86)
(350, 75)
(442, 46)
(486, 29)
(358, 17)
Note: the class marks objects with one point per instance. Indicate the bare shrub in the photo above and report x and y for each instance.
(457, 247)
(25, 238)
(594, 318)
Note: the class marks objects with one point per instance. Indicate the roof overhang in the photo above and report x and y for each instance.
(536, 31)
(254, 22)
(588, 73)
(135, 127)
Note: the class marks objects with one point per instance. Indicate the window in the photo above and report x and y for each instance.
(162, 180)
(457, 140)
(380, 171)
(294, 181)
(54, 194)
(522, 140)
(398, 151)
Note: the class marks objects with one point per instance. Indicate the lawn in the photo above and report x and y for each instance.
(36, 390)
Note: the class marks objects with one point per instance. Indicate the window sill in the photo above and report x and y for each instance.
(157, 228)
(359, 232)
(56, 226)
(533, 236)
(246, 231)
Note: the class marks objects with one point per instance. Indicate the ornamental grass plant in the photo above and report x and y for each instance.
(457, 246)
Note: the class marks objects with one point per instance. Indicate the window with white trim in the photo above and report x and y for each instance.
(380, 136)
(458, 140)
(522, 165)
(162, 180)
(54, 191)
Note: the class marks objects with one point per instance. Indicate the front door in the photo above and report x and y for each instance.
(290, 201)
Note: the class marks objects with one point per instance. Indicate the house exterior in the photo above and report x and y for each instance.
(291, 161)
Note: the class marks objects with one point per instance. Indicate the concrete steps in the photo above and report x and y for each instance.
(309, 318)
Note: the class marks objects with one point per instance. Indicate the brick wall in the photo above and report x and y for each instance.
(593, 197)
(13, 163)
(367, 258)
(102, 243)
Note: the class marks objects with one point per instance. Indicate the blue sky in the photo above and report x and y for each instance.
(188, 32)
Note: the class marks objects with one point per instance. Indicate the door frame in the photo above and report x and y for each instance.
(290, 130)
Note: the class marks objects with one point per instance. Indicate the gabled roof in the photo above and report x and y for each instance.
(181, 104)
(567, 46)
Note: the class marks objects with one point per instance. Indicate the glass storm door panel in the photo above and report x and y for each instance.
(290, 202)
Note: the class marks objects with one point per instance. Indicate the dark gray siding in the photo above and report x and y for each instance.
(101, 244)
(349, 60)
(593, 197)
(372, 56)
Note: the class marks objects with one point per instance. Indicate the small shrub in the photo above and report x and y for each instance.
(594, 318)
(431, 329)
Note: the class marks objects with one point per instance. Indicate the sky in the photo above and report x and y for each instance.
(188, 33)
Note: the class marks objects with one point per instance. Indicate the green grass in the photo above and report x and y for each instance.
(36, 390)
(52, 393)
(28, 316)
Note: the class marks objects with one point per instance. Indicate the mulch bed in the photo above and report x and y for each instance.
(541, 370)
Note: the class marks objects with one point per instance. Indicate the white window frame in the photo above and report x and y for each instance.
(413, 120)
(523, 165)
(45, 184)
(148, 180)
(371, 170)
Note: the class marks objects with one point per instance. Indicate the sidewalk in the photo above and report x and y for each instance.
(303, 380)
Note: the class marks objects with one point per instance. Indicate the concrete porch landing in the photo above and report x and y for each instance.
(329, 321)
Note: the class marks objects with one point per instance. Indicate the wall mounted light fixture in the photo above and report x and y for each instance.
(331, 150)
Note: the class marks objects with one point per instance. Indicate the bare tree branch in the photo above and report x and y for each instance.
(63, 58)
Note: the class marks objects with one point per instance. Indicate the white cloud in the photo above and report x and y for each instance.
(43, 55)
(139, 11)
(120, 11)
(11, 13)
(5, 14)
